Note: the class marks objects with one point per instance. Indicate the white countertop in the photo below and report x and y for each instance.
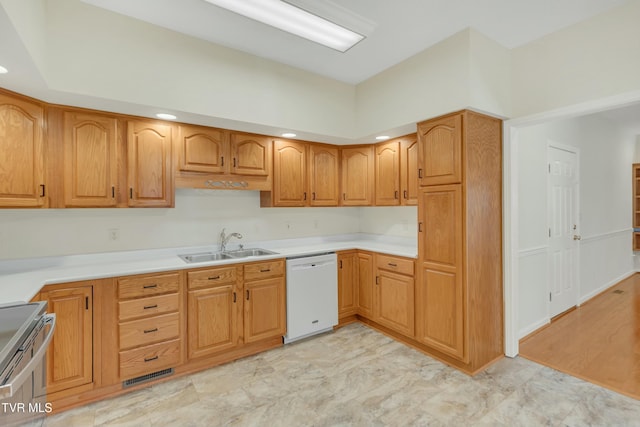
(21, 279)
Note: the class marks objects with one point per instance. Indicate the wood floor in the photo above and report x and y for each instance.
(598, 342)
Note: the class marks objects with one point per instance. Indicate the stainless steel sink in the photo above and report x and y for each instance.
(217, 256)
(205, 257)
(243, 253)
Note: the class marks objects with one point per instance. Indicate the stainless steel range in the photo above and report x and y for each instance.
(25, 333)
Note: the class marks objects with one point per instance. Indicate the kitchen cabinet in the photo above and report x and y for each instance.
(149, 151)
(214, 310)
(365, 284)
(440, 150)
(357, 175)
(265, 300)
(22, 152)
(387, 173)
(409, 169)
(395, 294)
(459, 306)
(150, 328)
(289, 173)
(347, 284)
(203, 149)
(90, 165)
(250, 154)
(304, 174)
(70, 354)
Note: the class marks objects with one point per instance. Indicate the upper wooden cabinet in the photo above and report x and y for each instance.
(387, 173)
(203, 149)
(324, 175)
(409, 169)
(357, 176)
(90, 159)
(304, 174)
(440, 150)
(250, 154)
(289, 173)
(150, 182)
(22, 173)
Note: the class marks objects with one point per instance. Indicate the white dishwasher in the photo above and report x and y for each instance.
(312, 295)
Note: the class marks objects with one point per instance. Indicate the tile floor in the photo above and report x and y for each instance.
(359, 377)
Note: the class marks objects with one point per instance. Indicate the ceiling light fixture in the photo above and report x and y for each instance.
(3, 70)
(382, 137)
(289, 135)
(166, 116)
(294, 20)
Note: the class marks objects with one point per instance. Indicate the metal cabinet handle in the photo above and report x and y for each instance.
(377, 280)
(395, 194)
(42, 190)
(420, 227)
(405, 194)
(148, 307)
(130, 192)
(392, 264)
(305, 196)
(247, 295)
(234, 297)
(214, 277)
(151, 359)
(148, 331)
(265, 270)
(420, 173)
(221, 160)
(155, 285)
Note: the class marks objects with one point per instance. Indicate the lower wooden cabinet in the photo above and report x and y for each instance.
(264, 309)
(70, 354)
(365, 281)
(394, 306)
(347, 284)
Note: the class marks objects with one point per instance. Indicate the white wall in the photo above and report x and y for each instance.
(197, 219)
(400, 221)
(606, 155)
(587, 61)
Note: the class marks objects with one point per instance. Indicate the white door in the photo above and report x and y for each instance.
(564, 229)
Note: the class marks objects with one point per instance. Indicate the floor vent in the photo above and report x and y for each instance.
(618, 291)
(147, 378)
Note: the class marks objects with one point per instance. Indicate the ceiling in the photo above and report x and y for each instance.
(395, 30)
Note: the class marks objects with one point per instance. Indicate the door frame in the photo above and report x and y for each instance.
(576, 151)
(510, 214)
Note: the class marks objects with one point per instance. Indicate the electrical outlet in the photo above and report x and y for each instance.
(316, 224)
(114, 233)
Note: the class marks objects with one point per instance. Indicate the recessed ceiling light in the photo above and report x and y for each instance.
(3, 70)
(382, 137)
(166, 116)
(294, 20)
(289, 135)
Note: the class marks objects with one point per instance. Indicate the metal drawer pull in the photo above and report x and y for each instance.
(265, 270)
(148, 331)
(147, 307)
(234, 297)
(247, 295)
(405, 194)
(150, 359)
(392, 264)
(150, 286)
(214, 277)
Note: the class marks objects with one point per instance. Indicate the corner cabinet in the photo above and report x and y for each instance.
(149, 173)
(22, 152)
(459, 305)
(387, 174)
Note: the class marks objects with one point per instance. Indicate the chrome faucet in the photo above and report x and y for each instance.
(224, 239)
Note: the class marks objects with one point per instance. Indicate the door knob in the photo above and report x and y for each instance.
(577, 237)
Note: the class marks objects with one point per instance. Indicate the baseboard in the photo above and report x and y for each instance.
(604, 287)
(525, 332)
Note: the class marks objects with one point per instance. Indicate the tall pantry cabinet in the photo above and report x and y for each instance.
(459, 306)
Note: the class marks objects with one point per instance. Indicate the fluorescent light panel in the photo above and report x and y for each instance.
(293, 20)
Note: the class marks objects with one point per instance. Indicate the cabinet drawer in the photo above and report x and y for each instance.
(147, 331)
(211, 277)
(151, 306)
(140, 361)
(144, 286)
(391, 263)
(262, 270)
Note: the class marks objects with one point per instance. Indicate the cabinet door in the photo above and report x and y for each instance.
(440, 150)
(395, 307)
(347, 284)
(203, 149)
(365, 285)
(212, 320)
(70, 354)
(264, 309)
(357, 176)
(324, 175)
(289, 173)
(251, 154)
(440, 292)
(21, 153)
(409, 170)
(149, 164)
(90, 160)
(387, 174)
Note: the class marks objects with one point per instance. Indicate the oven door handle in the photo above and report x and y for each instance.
(8, 390)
